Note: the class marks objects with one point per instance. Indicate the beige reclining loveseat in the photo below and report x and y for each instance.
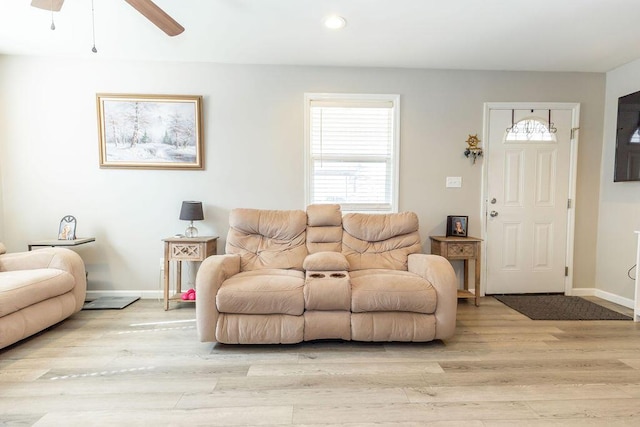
(292, 276)
(38, 289)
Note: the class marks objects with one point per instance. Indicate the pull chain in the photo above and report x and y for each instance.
(93, 28)
(53, 25)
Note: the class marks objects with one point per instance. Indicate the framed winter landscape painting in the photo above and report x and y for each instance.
(150, 131)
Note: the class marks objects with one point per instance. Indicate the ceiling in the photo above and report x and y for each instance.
(537, 35)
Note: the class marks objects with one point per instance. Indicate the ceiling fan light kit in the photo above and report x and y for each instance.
(52, 5)
(147, 8)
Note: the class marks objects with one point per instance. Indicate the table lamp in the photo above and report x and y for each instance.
(191, 211)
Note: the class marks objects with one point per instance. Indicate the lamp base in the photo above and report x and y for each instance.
(191, 231)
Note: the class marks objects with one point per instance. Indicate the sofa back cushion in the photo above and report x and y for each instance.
(267, 238)
(380, 241)
(324, 228)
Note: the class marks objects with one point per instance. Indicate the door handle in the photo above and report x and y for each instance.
(493, 213)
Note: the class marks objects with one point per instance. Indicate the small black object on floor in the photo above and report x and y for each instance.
(109, 303)
(558, 307)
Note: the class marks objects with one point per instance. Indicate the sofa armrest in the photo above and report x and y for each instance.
(439, 272)
(58, 258)
(213, 271)
(325, 261)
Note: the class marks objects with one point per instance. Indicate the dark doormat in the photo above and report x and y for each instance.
(558, 307)
(109, 303)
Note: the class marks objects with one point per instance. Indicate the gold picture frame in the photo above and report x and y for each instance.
(150, 131)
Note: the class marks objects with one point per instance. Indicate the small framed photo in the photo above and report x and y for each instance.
(457, 225)
(67, 229)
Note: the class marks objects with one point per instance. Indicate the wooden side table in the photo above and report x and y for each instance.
(464, 248)
(180, 249)
(60, 243)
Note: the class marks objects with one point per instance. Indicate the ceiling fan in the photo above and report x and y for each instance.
(146, 7)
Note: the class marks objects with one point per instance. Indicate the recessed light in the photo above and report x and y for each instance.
(335, 22)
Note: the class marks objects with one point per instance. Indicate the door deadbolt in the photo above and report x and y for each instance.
(493, 201)
(493, 213)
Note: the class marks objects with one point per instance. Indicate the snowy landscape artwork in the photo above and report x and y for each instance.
(150, 131)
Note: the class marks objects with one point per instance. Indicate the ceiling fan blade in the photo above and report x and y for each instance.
(158, 16)
(52, 5)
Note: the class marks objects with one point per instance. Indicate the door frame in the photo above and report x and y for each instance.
(573, 166)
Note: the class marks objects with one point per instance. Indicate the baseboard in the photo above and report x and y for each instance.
(580, 292)
(608, 296)
(91, 295)
(583, 292)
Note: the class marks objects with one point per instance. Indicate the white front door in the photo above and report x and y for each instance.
(528, 187)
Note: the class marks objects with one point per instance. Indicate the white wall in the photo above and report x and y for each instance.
(253, 119)
(2, 141)
(619, 201)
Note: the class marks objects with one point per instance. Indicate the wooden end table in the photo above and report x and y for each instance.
(180, 249)
(60, 243)
(461, 248)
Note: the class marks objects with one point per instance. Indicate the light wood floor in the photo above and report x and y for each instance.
(144, 366)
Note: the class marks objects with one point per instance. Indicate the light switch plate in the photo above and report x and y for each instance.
(454, 181)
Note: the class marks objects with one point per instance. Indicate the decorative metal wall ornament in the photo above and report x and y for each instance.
(531, 127)
(552, 128)
(473, 151)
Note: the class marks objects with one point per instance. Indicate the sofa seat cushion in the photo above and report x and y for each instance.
(391, 290)
(22, 288)
(267, 291)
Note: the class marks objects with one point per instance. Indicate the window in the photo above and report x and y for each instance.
(351, 150)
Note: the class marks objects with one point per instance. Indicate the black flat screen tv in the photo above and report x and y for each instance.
(627, 162)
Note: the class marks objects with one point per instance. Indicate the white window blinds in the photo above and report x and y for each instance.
(352, 147)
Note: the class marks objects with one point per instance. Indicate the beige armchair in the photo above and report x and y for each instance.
(38, 289)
